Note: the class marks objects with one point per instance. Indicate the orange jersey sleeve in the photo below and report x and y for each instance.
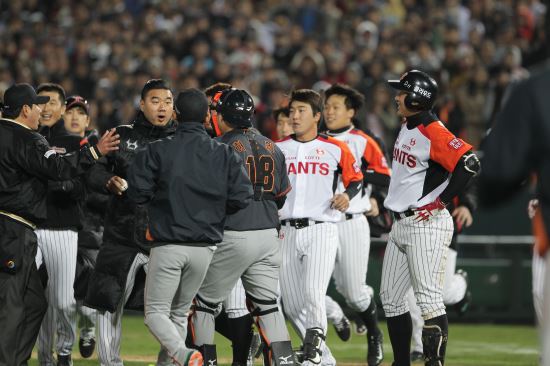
(445, 148)
(375, 157)
(350, 169)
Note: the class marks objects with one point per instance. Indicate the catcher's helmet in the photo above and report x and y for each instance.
(421, 90)
(236, 107)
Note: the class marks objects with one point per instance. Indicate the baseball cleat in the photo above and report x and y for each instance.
(375, 353)
(343, 329)
(360, 327)
(86, 346)
(417, 356)
(194, 359)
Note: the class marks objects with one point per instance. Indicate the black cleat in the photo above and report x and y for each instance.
(64, 360)
(86, 347)
(360, 327)
(343, 329)
(375, 353)
(417, 356)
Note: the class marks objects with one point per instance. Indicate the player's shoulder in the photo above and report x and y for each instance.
(434, 129)
(332, 141)
(284, 140)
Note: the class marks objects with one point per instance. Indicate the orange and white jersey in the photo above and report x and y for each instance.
(313, 169)
(424, 155)
(369, 155)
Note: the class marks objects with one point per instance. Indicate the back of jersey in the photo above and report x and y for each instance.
(266, 168)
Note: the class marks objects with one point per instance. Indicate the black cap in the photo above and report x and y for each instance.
(77, 101)
(19, 95)
(236, 107)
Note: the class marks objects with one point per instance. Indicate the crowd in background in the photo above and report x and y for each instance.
(105, 50)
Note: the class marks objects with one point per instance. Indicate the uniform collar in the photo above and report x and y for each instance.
(339, 131)
(422, 118)
(17, 123)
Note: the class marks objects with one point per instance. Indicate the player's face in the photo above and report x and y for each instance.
(337, 115)
(284, 127)
(402, 110)
(304, 122)
(158, 106)
(52, 110)
(76, 121)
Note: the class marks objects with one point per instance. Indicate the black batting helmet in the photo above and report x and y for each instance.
(421, 90)
(236, 107)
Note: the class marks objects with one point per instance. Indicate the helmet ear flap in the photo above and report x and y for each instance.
(412, 103)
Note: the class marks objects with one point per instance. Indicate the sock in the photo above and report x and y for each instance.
(241, 336)
(370, 318)
(400, 330)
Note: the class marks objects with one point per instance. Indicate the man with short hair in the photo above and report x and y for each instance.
(28, 163)
(125, 250)
(308, 219)
(342, 103)
(58, 237)
(187, 210)
(250, 248)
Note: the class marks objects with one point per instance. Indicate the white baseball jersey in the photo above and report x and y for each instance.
(369, 156)
(313, 169)
(423, 156)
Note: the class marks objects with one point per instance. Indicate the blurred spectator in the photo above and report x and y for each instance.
(105, 49)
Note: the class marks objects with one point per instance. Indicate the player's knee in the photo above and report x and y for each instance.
(358, 301)
(261, 307)
(200, 305)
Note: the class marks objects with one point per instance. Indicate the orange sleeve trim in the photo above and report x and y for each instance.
(148, 235)
(373, 154)
(542, 243)
(445, 148)
(351, 172)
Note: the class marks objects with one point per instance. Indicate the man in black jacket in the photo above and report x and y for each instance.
(125, 251)
(27, 163)
(192, 182)
(58, 238)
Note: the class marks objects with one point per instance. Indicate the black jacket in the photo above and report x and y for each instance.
(192, 182)
(64, 198)
(26, 164)
(126, 221)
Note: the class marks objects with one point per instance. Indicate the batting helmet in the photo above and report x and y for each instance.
(421, 90)
(236, 107)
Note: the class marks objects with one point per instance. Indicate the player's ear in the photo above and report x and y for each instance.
(141, 105)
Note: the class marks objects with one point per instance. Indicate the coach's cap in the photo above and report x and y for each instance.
(19, 95)
(77, 101)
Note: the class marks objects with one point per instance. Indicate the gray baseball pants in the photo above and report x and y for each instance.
(253, 256)
(174, 277)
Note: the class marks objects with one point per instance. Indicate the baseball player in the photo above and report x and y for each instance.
(430, 167)
(28, 164)
(237, 324)
(250, 248)
(341, 105)
(309, 232)
(125, 250)
(538, 269)
(58, 238)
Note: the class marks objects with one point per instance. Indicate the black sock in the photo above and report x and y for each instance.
(400, 330)
(370, 318)
(222, 325)
(241, 336)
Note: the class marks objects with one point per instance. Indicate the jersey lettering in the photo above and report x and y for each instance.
(266, 166)
(309, 167)
(404, 158)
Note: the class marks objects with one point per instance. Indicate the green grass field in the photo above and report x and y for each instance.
(494, 345)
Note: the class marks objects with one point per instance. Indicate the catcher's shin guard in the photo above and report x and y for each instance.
(311, 350)
(282, 353)
(209, 354)
(434, 341)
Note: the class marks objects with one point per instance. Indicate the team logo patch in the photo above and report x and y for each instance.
(412, 142)
(285, 360)
(320, 152)
(269, 146)
(356, 167)
(132, 145)
(59, 150)
(456, 143)
(237, 145)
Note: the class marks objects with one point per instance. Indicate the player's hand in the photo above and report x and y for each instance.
(532, 208)
(463, 217)
(374, 211)
(117, 185)
(108, 142)
(424, 213)
(340, 202)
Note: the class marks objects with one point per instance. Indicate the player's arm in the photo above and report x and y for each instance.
(351, 177)
(466, 168)
(142, 175)
(374, 164)
(239, 189)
